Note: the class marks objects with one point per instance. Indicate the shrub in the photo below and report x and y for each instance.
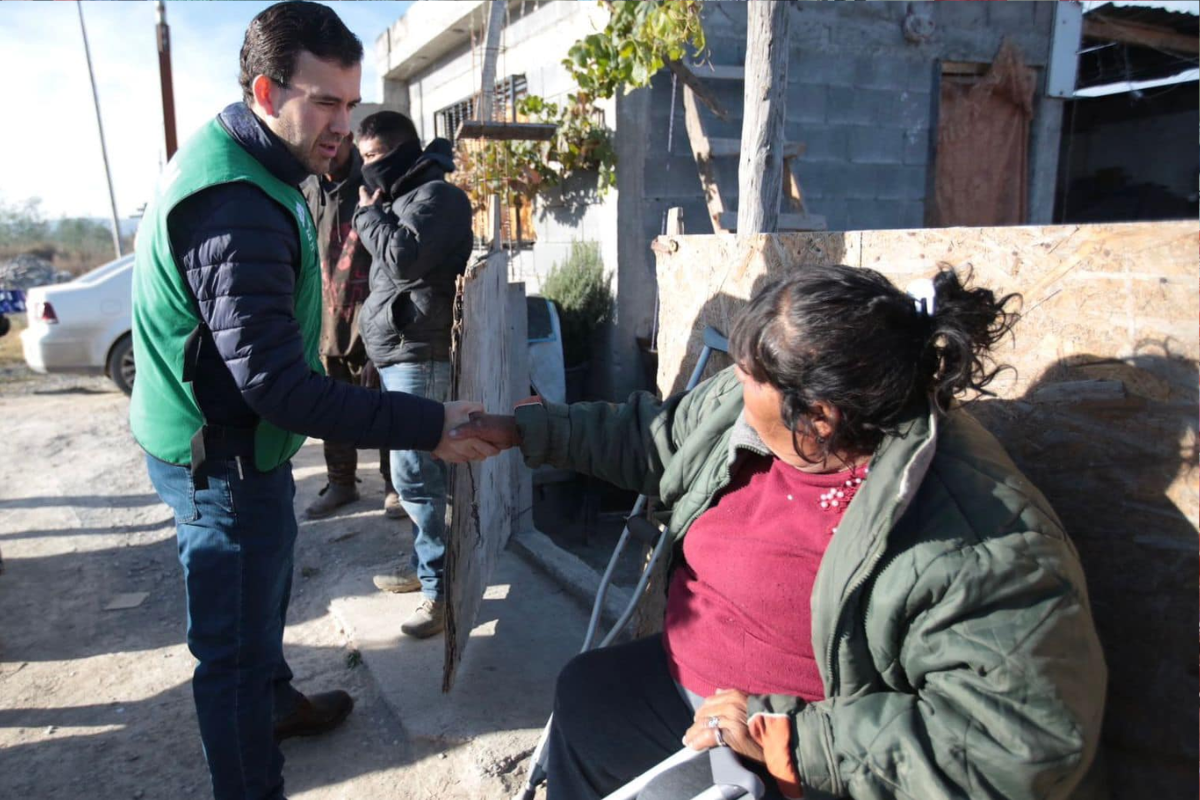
(581, 290)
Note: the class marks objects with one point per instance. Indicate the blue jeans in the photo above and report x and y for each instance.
(235, 544)
(419, 478)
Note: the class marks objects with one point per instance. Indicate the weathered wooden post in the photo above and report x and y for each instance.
(491, 50)
(760, 171)
(488, 350)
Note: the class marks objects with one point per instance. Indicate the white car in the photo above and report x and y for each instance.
(83, 325)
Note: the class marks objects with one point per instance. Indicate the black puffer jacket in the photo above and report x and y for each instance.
(420, 240)
(239, 252)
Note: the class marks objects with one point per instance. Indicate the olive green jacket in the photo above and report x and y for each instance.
(950, 615)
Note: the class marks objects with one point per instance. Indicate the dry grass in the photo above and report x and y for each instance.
(75, 262)
(10, 343)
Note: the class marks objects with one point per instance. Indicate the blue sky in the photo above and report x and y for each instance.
(50, 141)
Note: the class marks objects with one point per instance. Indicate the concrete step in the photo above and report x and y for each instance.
(482, 732)
(527, 630)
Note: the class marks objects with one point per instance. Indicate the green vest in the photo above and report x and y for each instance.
(163, 412)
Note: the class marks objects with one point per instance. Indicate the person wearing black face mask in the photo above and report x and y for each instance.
(417, 228)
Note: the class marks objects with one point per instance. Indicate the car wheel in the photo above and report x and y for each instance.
(120, 364)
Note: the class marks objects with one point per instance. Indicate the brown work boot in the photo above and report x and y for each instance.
(316, 714)
(429, 619)
(331, 498)
(398, 581)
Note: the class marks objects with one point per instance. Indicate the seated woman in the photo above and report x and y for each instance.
(869, 598)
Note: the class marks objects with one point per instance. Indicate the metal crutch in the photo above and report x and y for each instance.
(649, 534)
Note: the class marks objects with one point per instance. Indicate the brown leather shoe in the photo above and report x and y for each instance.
(316, 714)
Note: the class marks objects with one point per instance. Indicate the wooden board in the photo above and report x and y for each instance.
(488, 350)
(505, 131)
(1101, 414)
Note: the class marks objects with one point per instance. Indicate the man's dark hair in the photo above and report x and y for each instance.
(391, 128)
(276, 36)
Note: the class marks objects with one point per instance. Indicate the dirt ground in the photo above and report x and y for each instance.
(96, 703)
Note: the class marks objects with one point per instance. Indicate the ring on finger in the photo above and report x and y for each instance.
(714, 722)
(720, 734)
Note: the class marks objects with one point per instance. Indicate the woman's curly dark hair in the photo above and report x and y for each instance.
(847, 337)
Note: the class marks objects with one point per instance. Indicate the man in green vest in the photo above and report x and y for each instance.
(226, 327)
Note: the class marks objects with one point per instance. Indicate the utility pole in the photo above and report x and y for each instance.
(112, 198)
(164, 77)
(760, 172)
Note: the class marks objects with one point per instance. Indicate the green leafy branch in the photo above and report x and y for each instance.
(638, 40)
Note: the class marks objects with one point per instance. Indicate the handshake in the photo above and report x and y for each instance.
(469, 434)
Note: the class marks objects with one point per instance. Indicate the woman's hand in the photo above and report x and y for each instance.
(728, 706)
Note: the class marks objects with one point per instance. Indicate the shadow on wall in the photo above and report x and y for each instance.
(1112, 443)
(722, 310)
(566, 204)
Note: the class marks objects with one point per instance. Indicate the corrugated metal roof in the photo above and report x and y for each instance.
(1178, 17)
(1191, 7)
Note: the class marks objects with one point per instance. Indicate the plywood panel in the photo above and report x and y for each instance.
(483, 496)
(1101, 413)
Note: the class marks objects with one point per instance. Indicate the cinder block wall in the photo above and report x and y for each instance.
(860, 97)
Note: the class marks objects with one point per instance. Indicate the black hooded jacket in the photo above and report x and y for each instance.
(419, 237)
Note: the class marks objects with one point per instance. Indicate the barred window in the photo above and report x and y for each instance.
(504, 107)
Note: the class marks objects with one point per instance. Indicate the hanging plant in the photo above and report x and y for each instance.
(523, 169)
(638, 40)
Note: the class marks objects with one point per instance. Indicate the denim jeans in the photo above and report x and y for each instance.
(235, 544)
(419, 478)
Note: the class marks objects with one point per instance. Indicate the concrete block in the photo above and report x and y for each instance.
(853, 106)
(821, 142)
(1014, 17)
(917, 145)
(909, 183)
(822, 178)
(882, 181)
(883, 214)
(835, 211)
(806, 103)
(856, 181)
(890, 72)
(808, 31)
(911, 109)
(872, 27)
(875, 145)
(912, 214)
(820, 68)
(921, 74)
(672, 176)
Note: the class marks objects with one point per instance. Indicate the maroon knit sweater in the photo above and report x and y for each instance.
(738, 610)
